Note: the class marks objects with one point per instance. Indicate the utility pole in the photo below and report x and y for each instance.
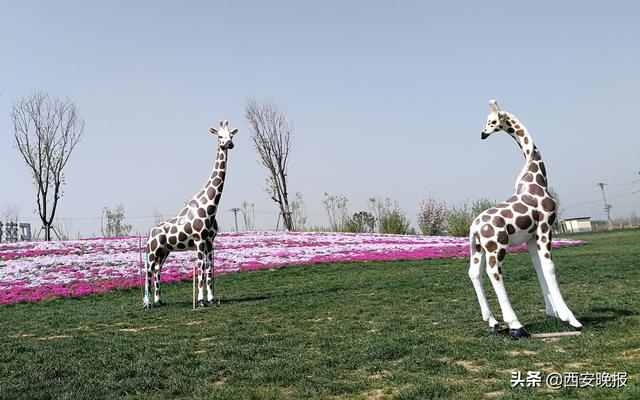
(607, 206)
(235, 210)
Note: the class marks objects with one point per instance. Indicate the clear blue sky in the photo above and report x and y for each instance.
(388, 99)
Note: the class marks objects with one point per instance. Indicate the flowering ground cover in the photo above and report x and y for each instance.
(35, 270)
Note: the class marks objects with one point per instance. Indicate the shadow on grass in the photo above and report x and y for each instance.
(604, 315)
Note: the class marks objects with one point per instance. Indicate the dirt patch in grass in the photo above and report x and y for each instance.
(141, 329)
(515, 353)
(470, 366)
(21, 335)
(54, 337)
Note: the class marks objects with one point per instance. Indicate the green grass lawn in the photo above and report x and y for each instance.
(372, 330)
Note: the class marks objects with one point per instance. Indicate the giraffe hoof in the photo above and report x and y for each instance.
(519, 333)
(146, 306)
(494, 329)
(214, 302)
(576, 327)
(202, 303)
(159, 303)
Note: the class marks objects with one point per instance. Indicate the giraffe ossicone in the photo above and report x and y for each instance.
(194, 228)
(525, 217)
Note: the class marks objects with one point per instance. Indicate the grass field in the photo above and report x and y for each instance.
(369, 330)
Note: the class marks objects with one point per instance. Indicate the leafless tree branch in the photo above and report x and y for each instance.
(271, 134)
(46, 131)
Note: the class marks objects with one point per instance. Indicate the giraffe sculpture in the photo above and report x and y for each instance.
(193, 229)
(527, 216)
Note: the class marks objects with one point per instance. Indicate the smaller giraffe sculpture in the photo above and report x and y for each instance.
(193, 229)
(527, 216)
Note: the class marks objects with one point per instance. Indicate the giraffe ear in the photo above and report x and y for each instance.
(493, 106)
(233, 132)
(213, 130)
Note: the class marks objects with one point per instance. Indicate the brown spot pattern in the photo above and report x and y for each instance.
(491, 246)
(523, 221)
(548, 204)
(487, 230)
(529, 200)
(498, 222)
(544, 227)
(520, 208)
(503, 238)
(506, 213)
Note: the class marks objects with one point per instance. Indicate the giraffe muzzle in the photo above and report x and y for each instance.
(230, 145)
(484, 135)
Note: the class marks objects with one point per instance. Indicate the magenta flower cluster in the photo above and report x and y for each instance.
(33, 271)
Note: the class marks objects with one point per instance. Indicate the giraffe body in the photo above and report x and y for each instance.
(194, 228)
(525, 217)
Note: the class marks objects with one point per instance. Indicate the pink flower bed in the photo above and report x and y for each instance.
(35, 270)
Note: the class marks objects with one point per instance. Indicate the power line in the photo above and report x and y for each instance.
(607, 206)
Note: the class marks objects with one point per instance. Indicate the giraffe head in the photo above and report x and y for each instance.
(496, 121)
(225, 136)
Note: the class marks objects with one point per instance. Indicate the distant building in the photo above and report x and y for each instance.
(578, 224)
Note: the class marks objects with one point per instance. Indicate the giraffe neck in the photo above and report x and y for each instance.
(220, 167)
(532, 156)
(210, 194)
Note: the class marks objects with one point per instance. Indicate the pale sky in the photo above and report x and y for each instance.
(387, 98)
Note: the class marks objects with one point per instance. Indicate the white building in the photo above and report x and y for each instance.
(578, 224)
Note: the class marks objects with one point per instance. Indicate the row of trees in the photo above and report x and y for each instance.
(385, 216)
(47, 130)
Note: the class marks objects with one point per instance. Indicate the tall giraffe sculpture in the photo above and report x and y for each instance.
(193, 229)
(527, 216)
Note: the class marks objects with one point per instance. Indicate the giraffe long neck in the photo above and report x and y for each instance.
(212, 191)
(220, 167)
(533, 158)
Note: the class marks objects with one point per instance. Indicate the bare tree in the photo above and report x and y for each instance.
(10, 213)
(158, 218)
(248, 211)
(271, 135)
(46, 130)
(299, 213)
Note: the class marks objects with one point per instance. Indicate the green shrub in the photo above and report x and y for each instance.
(360, 222)
(458, 220)
(481, 204)
(389, 217)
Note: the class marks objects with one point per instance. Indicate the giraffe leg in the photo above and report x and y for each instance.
(210, 276)
(535, 259)
(494, 271)
(156, 279)
(549, 271)
(478, 261)
(146, 300)
(200, 270)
